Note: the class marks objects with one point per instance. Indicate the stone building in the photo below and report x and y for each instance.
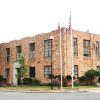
(37, 51)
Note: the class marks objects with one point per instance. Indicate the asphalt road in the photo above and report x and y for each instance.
(49, 96)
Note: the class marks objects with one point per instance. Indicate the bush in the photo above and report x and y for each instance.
(76, 83)
(36, 82)
(51, 76)
(27, 81)
(58, 77)
(99, 80)
(68, 77)
(30, 81)
(2, 80)
(91, 74)
(83, 78)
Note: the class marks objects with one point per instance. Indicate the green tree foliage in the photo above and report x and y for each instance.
(68, 77)
(91, 74)
(2, 80)
(83, 78)
(23, 70)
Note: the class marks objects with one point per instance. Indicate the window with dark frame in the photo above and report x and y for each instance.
(47, 48)
(98, 68)
(31, 71)
(7, 72)
(32, 50)
(76, 71)
(7, 54)
(18, 52)
(86, 47)
(75, 47)
(97, 49)
(47, 71)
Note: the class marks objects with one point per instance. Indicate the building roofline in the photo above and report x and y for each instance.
(40, 34)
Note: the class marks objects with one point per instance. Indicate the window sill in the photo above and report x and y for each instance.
(31, 58)
(75, 56)
(7, 62)
(86, 57)
(47, 57)
(97, 58)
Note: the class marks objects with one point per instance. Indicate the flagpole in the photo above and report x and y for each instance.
(71, 51)
(60, 49)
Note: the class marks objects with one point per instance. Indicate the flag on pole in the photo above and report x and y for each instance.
(59, 25)
(69, 28)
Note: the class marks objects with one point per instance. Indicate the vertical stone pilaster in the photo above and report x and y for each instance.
(69, 58)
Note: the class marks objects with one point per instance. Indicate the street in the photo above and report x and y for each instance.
(49, 96)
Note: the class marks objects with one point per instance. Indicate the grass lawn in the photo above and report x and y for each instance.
(82, 87)
(43, 88)
(28, 88)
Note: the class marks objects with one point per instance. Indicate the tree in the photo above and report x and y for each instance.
(91, 74)
(68, 77)
(2, 80)
(23, 70)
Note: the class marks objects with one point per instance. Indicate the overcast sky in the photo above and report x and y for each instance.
(21, 18)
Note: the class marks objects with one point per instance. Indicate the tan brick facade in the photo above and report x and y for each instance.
(84, 63)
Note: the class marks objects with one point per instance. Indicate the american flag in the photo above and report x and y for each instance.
(59, 25)
(69, 29)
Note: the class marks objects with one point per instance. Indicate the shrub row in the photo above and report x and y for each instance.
(30, 81)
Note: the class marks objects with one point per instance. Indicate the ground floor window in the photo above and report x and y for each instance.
(98, 68)
(7, 72)
(76, 71)
(47, 71)
(31, 71)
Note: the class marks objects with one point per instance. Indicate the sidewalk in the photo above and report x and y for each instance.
(90, 89)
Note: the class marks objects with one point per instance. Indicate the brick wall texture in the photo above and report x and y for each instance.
(84, 63)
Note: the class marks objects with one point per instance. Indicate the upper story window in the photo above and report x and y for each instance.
(18, 52)
(7, 54)
(47, 48)
(75, 47)
(97, 49)
(32, 50)
(86, 47)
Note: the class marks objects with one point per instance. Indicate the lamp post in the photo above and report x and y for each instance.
(51, 38)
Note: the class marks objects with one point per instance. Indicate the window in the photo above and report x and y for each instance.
(75, 47)
(97, 49)
(7, 73)
(47, 48)
(76, 71)
(7, 54)
(31, 71)
(47, 71)
(86, 46)
(18, 70)
(98, 68)
(18, 52)
(32, 50)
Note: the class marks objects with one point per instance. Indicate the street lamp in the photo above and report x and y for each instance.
(51, 38)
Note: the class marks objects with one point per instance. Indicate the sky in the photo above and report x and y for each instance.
(22, 18)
